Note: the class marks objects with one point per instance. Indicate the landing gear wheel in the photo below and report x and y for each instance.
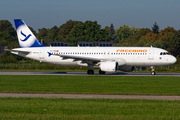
(90, 72)
(153, 73)
(102, 72)
(153, 70)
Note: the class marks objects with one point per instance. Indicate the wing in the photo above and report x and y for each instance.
(91, 60)
(79, 57)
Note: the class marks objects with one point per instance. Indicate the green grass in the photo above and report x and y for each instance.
(39, 108)
(138, 85)
(87, 109)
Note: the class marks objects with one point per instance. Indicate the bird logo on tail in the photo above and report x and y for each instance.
(26, 38)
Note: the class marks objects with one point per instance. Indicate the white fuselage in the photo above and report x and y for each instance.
(133, 56)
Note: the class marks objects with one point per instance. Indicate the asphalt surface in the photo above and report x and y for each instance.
(84, 73)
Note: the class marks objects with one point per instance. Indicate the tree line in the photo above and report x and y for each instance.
(74, 31)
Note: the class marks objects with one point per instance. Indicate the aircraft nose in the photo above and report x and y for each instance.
(173, 59)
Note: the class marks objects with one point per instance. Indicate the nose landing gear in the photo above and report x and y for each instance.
(153, 70)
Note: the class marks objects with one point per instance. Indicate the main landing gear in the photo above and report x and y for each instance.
(90, 72)
(102, 72)
(153, 70)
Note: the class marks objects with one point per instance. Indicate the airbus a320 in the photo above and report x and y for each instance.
(106, 59)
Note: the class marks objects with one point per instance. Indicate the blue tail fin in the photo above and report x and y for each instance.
(25, 37)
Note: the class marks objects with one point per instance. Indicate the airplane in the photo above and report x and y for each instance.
(106, 59)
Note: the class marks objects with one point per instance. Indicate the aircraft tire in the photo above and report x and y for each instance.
(90, 72)
(102, 72)
(153, 73)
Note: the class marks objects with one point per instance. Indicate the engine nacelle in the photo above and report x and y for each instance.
(108, 66)
(126, 68)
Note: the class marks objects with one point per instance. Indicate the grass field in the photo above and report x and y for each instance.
(88, 109)
(137, 85)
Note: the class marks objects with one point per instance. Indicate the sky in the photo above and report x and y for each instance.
(134, 13)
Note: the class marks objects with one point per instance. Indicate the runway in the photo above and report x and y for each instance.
(84, 73)
(90, 96)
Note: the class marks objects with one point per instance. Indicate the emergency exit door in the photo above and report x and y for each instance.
(151, 54)
(41, 54)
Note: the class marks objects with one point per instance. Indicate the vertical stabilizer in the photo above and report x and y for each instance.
(25, 37)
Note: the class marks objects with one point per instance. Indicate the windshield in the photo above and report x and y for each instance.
(164, 53)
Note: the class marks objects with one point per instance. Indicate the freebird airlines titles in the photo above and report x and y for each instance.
(106, 59)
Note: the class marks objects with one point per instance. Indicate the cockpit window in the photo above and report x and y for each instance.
(164, 53)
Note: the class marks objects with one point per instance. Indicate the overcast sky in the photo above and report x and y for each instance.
(48, 13)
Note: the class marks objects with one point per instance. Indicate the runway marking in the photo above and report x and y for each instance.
(89, 96)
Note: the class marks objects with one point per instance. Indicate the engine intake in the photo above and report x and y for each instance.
(109, 66)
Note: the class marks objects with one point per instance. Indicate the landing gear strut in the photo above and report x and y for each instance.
(153, 70)
(102, 72)
(90, 72)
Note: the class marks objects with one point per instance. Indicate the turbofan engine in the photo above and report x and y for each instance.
(108, 66)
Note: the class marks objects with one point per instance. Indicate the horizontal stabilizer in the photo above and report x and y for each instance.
(22, 51)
